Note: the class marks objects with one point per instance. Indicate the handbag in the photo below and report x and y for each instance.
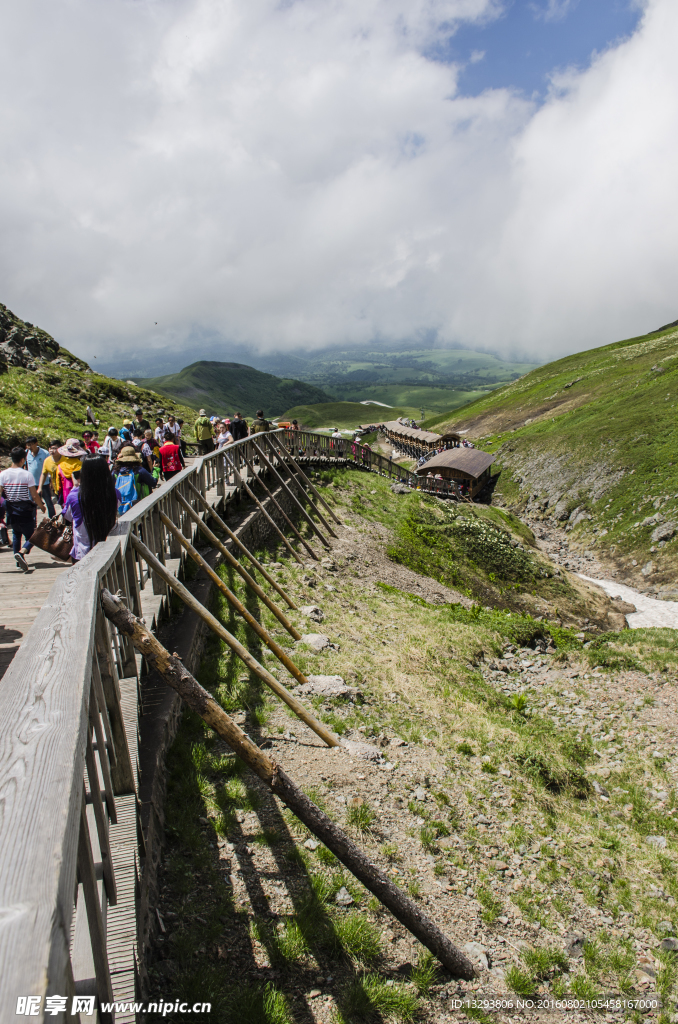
(54, 537)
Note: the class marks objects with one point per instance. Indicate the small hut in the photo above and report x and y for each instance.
(467, 466)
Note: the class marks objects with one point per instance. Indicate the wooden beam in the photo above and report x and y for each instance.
(262, 633)
(277, 504)
(235, 564)
(241, 652)
(271, 467)
(236, 540)
(272, 775)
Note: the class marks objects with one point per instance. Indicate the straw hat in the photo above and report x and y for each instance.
(127, 423)
(201, 412)
(128, 454)
(73, 449)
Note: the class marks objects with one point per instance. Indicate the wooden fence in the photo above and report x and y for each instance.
(71, 842)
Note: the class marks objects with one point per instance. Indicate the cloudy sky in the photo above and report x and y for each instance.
(285, 173)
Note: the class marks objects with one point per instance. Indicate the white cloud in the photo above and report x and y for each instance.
(554, 10)
(303, 173)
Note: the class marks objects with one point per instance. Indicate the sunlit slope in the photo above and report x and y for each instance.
(591, 440)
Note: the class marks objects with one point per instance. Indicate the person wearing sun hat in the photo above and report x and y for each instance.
(72, 454)
(131, 479)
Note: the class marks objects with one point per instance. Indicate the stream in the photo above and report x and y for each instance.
(650, 611)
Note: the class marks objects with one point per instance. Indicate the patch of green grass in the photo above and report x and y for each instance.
(424, 972)
(492, 907)
(519, 981)
(285, 946)
(369, 998)
(357, 937)
(466, 749)
(361, 818)
(543, 960)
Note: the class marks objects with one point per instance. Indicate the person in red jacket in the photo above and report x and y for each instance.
(171, 459)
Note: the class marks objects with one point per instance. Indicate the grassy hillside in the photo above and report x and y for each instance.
(45, 390)
(233, 387)
(590, 440)
(51, 401)
(345, 415)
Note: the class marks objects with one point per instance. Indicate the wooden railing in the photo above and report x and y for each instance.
(71, 842)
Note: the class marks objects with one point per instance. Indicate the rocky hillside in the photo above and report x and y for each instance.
(45, 390)
(590, 443)
(231, 387)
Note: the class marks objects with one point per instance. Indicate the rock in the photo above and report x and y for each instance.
(316, 641)
(664, 532)
(325, 686)
(477, 953)
(22, 344)
(658, 841)
(364, 750)
(668, 593)
(575, 946)
(328, 563)
(649, 568)
(670, 944)
(311, 844)
(482, 820)
(625, 607)
(560, 511)
(420, 794)
(311, 611)
(400, 489)
(397, 742)
(343, 897)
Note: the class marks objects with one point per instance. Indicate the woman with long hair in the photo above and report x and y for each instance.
(97, 498)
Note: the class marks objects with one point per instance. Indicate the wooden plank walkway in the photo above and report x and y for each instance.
(22, 595)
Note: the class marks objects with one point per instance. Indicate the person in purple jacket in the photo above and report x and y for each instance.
(92, 505)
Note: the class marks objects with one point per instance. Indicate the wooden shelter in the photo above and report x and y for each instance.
(467, 466)
(415, 442)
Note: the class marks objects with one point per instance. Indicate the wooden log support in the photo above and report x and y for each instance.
(262, 633)
(275, 441)
(235, 564)
(236, 540)
(241, 652)
(272, 775)
(282, 457)
(287, 519)
(272, 522)
(269, 465)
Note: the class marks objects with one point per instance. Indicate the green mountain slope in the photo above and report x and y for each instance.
(229, 387)
(45, 390)
(591, 441)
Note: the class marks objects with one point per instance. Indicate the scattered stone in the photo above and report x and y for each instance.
(364, 750)
(311, 844)
(325, 686)
(575, 946)
(649, 568)
(400, 489)
(314, 993)
(420, 794)
(477, 953)
(397, 742)
(482, 820)
(316, 641)
(663, 532)
(658, 841)
(311, 611)
(343, 897)
(670, 944)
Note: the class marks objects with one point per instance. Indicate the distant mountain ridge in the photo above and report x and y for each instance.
(234, 387)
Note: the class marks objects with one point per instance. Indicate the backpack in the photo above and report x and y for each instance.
(127, 486)
(259, 426)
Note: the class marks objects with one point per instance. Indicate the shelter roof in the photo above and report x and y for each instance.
(414, 433)
(465, 460)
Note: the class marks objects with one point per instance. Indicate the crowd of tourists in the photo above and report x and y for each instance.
(89, 481)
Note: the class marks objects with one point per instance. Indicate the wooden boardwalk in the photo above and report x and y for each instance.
(22, 594)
